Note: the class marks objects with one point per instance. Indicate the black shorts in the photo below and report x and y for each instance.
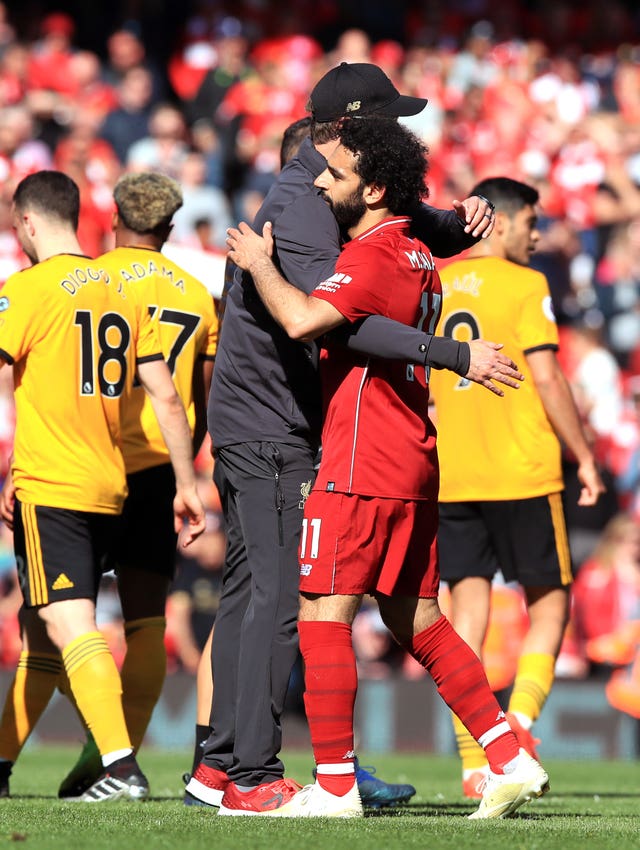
(146, 538)
(60, 553)
(526, 539)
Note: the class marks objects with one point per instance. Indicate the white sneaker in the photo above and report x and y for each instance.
(313, 801)
(506, 792)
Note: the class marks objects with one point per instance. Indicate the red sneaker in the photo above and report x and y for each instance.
(208, 784)
(473, 785)
(524, 736)
(261, 800)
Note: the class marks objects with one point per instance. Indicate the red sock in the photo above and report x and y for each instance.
(331, 681)
(336, 783)
(463, 685)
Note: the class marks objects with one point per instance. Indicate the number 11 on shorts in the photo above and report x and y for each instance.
(315, 537)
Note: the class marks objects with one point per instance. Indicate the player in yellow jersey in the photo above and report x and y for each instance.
(501, 481)
(182, 311)
(75, 336)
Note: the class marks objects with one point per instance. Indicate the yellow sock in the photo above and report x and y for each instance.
(532, 685)
(97, 690)
(32, 688)
(472, 755)
(64, 686)
(143, 673)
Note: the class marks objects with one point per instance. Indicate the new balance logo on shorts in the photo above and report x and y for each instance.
(62, 583)
(305, 569)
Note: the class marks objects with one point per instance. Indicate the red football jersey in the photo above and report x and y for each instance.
(377, 439)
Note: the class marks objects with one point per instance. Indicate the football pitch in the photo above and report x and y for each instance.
(591, 805)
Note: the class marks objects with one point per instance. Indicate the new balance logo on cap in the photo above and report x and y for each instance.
(62, 583)
(361, 88)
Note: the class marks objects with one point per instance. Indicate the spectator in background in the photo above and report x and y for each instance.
(624, 452)
(92, 163)
(472, 66)
(256, 111)
(12, 259)
(231, 46)
(606, 594)
(377, 653)
(595, 380)
(204, 232)
(10, 604)
(206, 139)
(194, 597)
(389, 55)
(91, 95)
(353, 45)
(20, 153)
(189, 64)
(128, 122)
(126, 50)
(14, 64)
(606, 611)
(200, 201)
(7, 420)
(50, 57)
(563, 90)
(7, 32)
(626, 88)
(164, 149)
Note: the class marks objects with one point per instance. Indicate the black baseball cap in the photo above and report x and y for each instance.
(359, 88)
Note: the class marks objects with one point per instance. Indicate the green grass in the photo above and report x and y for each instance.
(591, 805)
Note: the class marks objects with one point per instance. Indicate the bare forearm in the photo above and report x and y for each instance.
(177, 437)
(287, 305)
(563, 415)
(302, 316)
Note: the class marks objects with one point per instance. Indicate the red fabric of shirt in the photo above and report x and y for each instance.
(377, 437)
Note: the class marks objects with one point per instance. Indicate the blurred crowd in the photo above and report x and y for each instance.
(547, 92)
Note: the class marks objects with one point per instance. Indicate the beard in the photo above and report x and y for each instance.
(348, 212)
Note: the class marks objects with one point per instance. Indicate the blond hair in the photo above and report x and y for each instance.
(147, 201)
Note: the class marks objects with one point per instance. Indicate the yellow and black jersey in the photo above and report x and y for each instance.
(491, 447)
(183, 313)
(73, 335)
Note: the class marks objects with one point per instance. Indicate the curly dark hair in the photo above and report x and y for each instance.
(391, 156)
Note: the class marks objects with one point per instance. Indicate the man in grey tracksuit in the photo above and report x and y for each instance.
(265, 421)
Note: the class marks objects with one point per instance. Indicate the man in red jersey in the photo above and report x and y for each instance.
(370, 522)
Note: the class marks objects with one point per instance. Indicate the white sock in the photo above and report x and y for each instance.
(512, 765)
(336, 769)
(523, 720)
(109, 758)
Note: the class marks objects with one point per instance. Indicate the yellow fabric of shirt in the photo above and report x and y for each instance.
(74, 335)
(183, 313)
(493, 448)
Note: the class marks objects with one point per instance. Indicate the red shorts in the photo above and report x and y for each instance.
(361, 544)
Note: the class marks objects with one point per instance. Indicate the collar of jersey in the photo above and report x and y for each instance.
(395, 223)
